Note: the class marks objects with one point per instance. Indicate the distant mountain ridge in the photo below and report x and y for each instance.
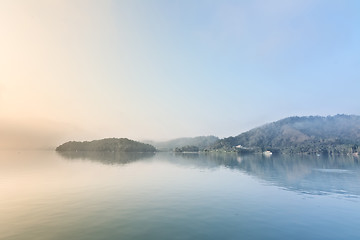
(201, 142)
(337, 134)
(107, 145)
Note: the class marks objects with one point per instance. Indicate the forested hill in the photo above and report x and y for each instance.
(338, 134)
(200, 142)
(108, 144)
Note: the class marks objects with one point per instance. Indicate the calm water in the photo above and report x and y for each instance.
(45, 195)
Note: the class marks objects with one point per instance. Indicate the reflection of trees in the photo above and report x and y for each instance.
(206, 160)
(286, 165)
(111, 158)
(261, 163)
(307, 174)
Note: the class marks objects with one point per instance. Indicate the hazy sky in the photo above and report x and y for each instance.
(81, 69)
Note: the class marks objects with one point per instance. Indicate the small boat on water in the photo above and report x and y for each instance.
(267, 153)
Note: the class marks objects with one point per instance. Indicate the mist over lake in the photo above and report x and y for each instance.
(136, 119)
(109, 195)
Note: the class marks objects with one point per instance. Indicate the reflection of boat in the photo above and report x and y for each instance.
(267, 153)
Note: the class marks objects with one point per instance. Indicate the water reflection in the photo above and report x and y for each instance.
(304, 174)
(108, 158)
(308, 174)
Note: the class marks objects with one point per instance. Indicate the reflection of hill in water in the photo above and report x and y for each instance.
(203, 160)
(306, 174)
(109, 158)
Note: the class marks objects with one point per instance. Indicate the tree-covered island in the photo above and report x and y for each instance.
(108, 145)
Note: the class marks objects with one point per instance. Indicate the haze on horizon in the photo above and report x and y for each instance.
(86, 70)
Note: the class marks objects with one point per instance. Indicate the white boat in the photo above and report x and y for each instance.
(267, 153)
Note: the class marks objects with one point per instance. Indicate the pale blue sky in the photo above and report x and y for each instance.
(166, 69)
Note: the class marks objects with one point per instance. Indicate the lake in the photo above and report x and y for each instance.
(47, 195)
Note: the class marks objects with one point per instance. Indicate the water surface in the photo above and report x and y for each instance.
(46, 195)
